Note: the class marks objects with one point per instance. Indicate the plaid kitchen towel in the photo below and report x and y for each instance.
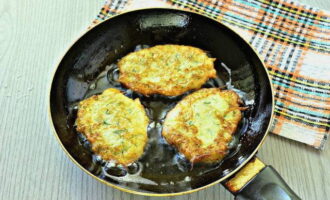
(294, 41)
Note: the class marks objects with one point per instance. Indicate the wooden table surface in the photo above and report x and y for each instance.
(33, 36)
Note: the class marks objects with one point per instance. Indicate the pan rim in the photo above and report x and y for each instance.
(146, 193)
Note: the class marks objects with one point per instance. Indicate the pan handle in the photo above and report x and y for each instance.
(257, 181)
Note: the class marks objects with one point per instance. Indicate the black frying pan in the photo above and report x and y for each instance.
(88, 67)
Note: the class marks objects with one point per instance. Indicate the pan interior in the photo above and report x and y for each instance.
(89, 67)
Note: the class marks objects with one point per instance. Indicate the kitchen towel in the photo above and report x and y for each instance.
(293, 39)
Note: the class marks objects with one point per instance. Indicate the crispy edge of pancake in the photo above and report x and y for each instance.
(98, 144)
(191, 147)
(163, 89)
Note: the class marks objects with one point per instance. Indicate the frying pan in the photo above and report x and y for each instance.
(89, 66)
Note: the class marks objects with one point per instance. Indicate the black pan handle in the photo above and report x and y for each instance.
(256, 181)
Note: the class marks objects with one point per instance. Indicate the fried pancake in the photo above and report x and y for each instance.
(202, 124)
(168, 70)
(115, 125)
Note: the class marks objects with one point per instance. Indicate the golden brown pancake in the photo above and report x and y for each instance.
(115, 125)
(202, 124)
(168, 70)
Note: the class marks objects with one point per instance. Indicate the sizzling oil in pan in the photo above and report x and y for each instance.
(161, 164)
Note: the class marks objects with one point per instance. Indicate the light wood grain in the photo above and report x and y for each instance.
(33, 36)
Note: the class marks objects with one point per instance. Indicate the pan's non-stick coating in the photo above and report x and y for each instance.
(114, 38)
